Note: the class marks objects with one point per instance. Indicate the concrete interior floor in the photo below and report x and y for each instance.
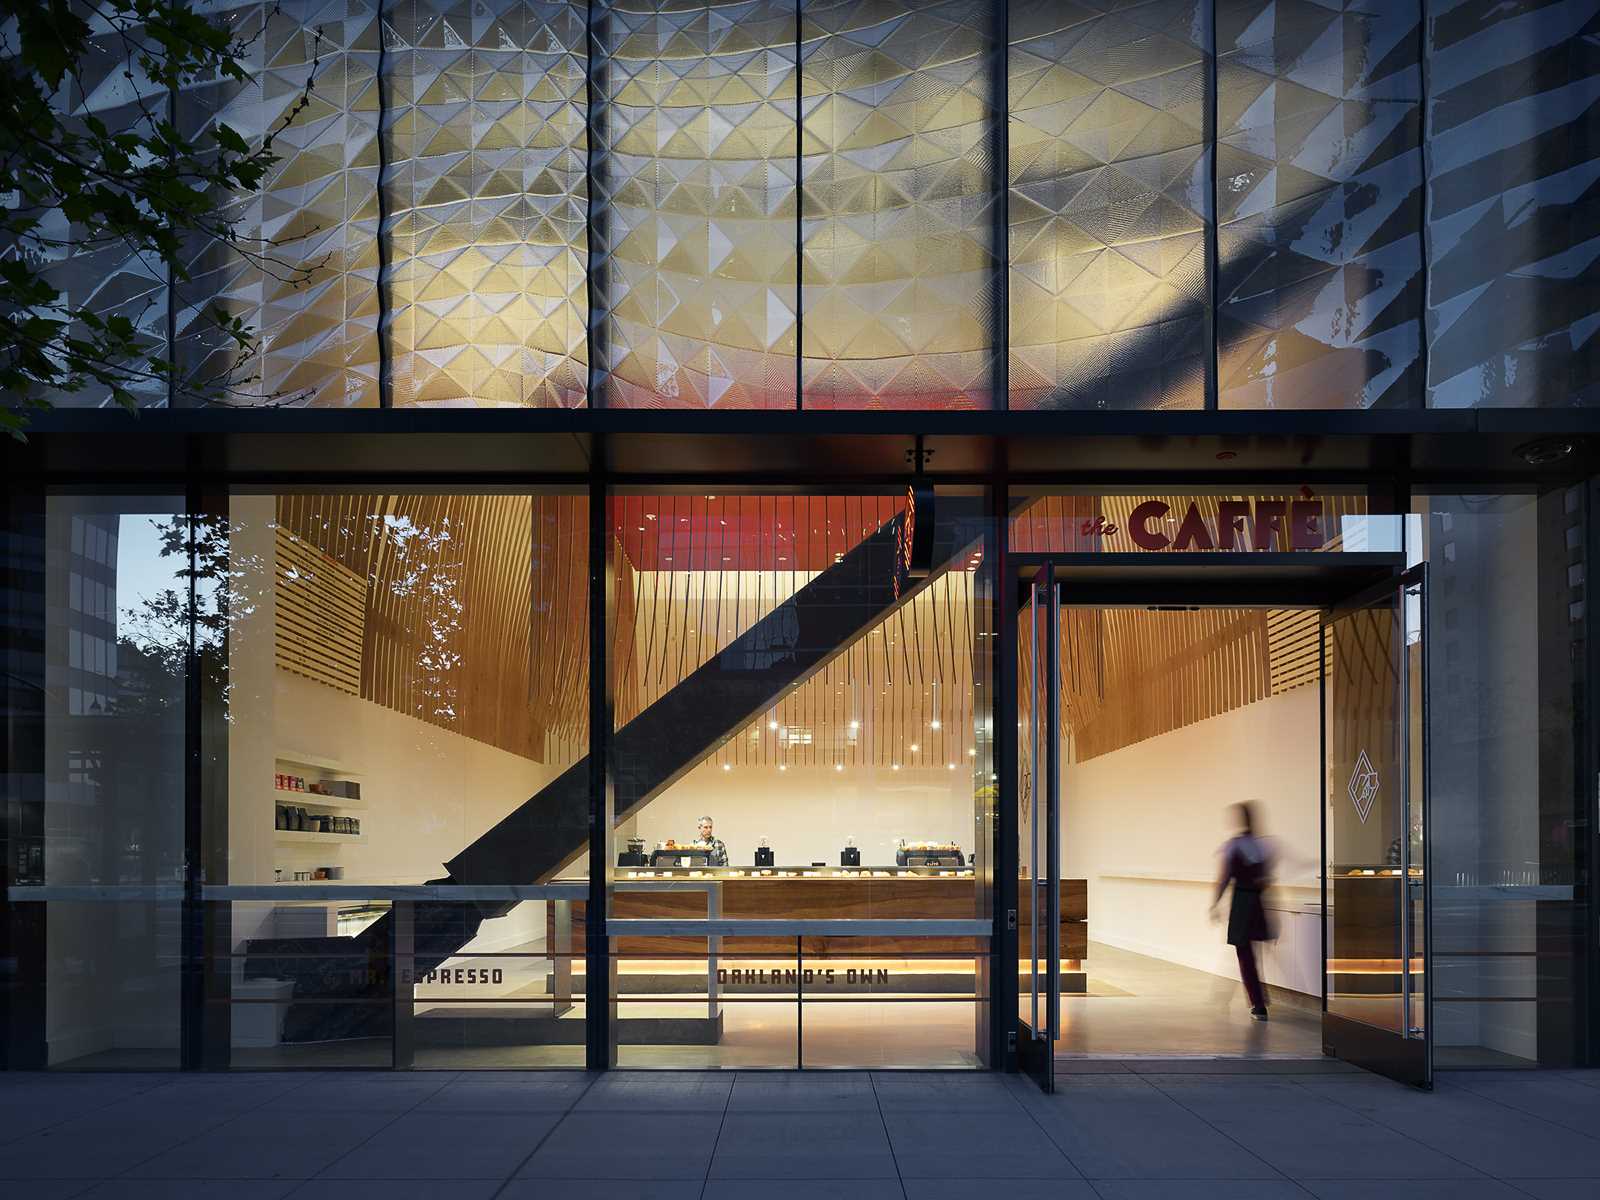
(1140, 1007)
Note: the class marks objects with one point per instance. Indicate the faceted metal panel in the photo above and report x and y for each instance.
(1513, 211)
(694, 178)
(308, 287)
(1109, 178)
(485, 188)
(900, 277)
(1319, 169)
(105, 277)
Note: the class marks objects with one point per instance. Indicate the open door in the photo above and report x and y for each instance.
(1039, 827)
(1375, 831)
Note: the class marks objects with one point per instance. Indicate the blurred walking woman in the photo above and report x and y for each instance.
(1247, 865)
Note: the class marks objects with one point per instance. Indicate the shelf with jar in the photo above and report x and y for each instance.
(313, 799)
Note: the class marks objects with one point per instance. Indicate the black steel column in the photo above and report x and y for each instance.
(799, 214)
(594, 210)
(385, 266)
(402, 980)
(22, 925)
(599, 993)
(1213, 222)
(1002, 630)
(1000, 112)
(1586, 831)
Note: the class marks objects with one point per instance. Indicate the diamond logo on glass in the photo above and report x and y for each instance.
(1363, 786)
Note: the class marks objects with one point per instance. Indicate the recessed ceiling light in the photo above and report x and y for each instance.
(915, 746)
(726, 767)
(1544, 451)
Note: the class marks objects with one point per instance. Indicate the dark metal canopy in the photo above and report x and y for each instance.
(1460, 447)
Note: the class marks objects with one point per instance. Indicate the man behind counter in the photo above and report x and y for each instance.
(719, 853)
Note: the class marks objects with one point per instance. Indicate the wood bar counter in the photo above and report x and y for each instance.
(816, 893)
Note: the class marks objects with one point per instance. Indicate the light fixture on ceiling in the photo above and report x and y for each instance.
(772, 724)
(936, 724)
(727, 767)
(915, 746)
(972, 754)
(838, 766)
(1544, 451)
(895, 767)
(783, 766)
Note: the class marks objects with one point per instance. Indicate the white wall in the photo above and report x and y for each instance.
(807, 812)
(428, 791)
(1158, 810)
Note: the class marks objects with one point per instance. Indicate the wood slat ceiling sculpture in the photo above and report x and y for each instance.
(470, 613)
(472, 608)
(695, 572)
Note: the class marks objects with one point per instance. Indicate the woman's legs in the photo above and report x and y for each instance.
(1250, 976)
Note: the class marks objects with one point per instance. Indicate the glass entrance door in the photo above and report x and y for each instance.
(1039, 827)
(1374, 829)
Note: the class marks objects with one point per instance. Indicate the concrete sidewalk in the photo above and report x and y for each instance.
(1113, 1132)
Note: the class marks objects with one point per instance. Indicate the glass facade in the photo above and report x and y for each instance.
(97, 692)
(363, 716)
(942, 204)
(1508, 686)
(606, 736)
(793, 717)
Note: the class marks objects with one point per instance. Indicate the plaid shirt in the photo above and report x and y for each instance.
(719, 853)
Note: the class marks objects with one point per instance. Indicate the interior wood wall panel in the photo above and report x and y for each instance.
(473, 608)
(321, 615)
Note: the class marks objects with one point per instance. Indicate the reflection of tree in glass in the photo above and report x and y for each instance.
(429, 573)
(219, 591)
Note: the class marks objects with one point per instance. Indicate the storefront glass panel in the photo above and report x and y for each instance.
(407, 706)
(802, 725)
(1510, 822)
(97, 633)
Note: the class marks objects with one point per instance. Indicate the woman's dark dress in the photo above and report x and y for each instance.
(1247, 916)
